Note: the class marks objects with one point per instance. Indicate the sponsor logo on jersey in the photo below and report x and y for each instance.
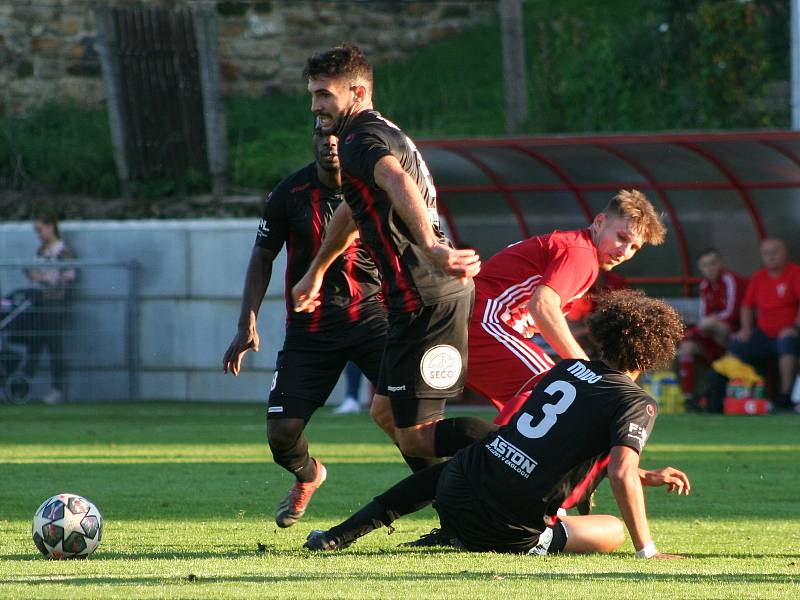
(275, 409)
(263, 228)
(511, 456)
(781, 289)
(396, 388)
(584, 373)
(638, 433)
(440, 367)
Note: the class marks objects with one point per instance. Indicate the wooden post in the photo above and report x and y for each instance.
(106, 45)
(206, 27)
(514, 74)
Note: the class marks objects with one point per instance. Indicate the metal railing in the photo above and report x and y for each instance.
(68, 331)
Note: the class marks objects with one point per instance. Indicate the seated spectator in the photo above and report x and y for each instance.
(52, 285)
(721, 294)
(770, 318)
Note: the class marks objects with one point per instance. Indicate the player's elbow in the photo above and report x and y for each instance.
(620, 474)
(544, 304)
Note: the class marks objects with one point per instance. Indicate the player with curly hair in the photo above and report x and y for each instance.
(584, 420)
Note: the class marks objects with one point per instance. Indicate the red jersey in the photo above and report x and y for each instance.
(723, 298)
(565, 261)
(606, 281)
(775, 299)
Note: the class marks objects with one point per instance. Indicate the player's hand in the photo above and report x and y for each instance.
(743, 334)
(672, 478)
(463, 264)
(305, 293)
(244, 340)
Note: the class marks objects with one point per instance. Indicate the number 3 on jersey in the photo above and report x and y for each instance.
(551, 411)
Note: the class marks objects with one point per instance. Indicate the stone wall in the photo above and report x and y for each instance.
(47, 47)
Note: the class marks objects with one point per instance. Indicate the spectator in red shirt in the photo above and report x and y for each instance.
(721, 294)
(770, 317)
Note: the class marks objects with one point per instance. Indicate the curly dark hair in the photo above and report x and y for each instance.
(345, 60)
(634, 332)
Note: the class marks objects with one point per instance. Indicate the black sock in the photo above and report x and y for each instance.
(308, 472)
(410, 495)
(293, 456)
(373, 516)
(416, 463)
(454, 434)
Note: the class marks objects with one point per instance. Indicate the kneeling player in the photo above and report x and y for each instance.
(584, 417)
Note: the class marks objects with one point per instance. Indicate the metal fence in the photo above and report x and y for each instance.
(68, 331)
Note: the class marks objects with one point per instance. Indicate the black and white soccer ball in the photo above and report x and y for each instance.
(67, 526)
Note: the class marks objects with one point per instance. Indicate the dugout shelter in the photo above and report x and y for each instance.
(727, 190)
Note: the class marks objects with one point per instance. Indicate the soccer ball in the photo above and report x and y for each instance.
(67, 526)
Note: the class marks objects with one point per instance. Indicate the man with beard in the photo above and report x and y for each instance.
(391, 203)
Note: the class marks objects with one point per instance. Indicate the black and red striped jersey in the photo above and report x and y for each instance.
(558, 440)
(296, 214)
(410, 280)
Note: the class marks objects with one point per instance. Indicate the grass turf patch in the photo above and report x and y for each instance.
(188, 493)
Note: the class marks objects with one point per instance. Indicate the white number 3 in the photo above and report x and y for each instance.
(551, 411)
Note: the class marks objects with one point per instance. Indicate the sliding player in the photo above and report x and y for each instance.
(499, 494)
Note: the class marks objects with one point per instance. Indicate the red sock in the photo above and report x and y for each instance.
(686, 375)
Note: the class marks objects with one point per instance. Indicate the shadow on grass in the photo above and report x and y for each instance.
(203, 490)
(550, 575)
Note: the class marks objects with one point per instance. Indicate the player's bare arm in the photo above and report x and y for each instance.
(545, 308)
(623, 474)
(406, 199)
(259, 272)
(339, 234)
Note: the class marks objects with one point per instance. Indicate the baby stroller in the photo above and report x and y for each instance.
(16, 316)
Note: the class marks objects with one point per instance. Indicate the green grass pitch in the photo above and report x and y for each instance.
(188, 493)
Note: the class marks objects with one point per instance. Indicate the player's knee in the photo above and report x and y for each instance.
(416, 442)
(283, 433)
(616, 536)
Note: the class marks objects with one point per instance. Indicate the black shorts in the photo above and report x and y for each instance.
(425, 361)
(479, 528)
(305, 376)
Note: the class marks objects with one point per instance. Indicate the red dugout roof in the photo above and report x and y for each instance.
(726, 190)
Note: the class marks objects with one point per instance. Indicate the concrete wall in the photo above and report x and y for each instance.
(189, 281)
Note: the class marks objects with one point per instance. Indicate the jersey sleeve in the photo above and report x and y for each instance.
(360, 153)
(633, 423)
(731, 294)
(569, 272)
(273, 229)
